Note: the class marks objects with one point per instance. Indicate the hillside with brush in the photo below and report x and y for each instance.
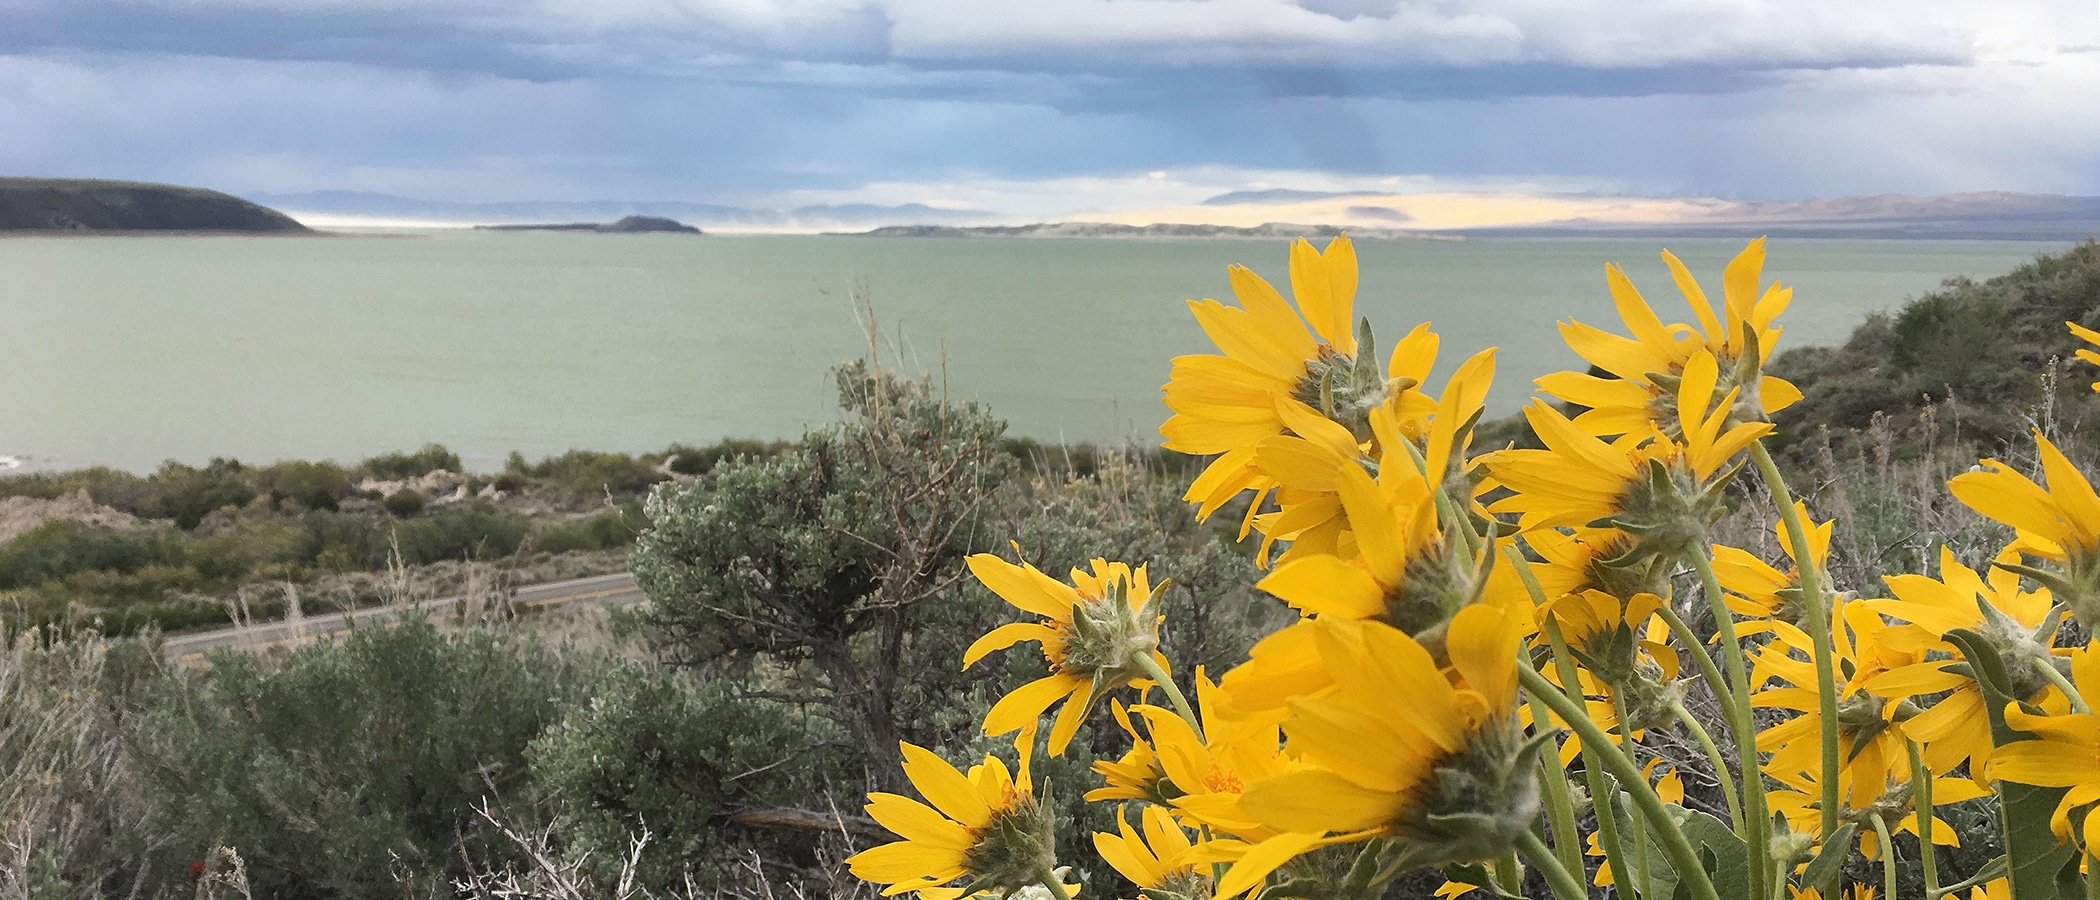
(1977, 362)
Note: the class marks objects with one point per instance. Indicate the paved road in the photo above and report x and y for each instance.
(619, 588)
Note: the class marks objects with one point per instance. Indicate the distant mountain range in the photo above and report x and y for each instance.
(388, 207)
(1267, 230)
(1993, 215)
(1981, 215)
(1282, 195)
(91, 205)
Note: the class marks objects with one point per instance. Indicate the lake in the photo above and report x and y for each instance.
(128, 351)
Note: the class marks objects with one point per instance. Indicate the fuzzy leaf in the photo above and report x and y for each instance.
(2024, 809)
(1726, 856)
(1823, 871)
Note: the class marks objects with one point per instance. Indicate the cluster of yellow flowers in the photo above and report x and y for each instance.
(1462, 611)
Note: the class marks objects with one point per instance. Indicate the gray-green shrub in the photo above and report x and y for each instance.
(354, 760)
(397, 466)
(582, 474)
(661, 751)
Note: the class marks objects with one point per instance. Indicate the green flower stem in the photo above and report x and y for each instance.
(1593, 764)
(1508, 873)
(1640, 835)
(1719, 762)
(1053, 884)
(2064, 684)
(1707, 671)
(1217, 869)
(1757, 820)
(1560, 808)
(1818, 630)
(1449, 513)
(1888, 857)
(1921, 800)
(1564, 883)
(1991, 871)
(2092, 878)
(1682, 857)
(1592, 768)
(1458, 521)
(1166, 683)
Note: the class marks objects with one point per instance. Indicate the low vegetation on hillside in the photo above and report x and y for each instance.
(188, 546)
(1975, 362)
(698, 747)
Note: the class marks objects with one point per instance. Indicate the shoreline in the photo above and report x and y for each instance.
(1799, 232)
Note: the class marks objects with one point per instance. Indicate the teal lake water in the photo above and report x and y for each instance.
(129, 351)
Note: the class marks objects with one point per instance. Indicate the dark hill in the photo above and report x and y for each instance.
(628, 225)
(73, 204)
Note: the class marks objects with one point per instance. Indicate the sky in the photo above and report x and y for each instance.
(1053, 107)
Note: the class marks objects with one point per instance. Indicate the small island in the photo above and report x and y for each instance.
(628, 225)
(82, 205)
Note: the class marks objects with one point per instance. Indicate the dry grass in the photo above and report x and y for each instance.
(63, 782)
(550, 873)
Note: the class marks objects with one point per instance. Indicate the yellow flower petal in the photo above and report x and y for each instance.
(915, 821)
(1025, 704)
(1316, 801)
(1483, 643)
(947, 789)
(1025, 587)
(2073, 494)
(1006, 636)
(906, 861)
(1325, 585)
(1414, 355)
(1357, 745)
(1775, 393)
(2001, 494)
(2043, 764)
(1260, 860)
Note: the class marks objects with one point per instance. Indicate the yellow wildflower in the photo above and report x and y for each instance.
(1400, 749)
(1272, 363)
(1095, 633)
(1658, 489)
(1307, 463)
(1871, 748)
(985, 825)
(1741, 338)
(1957, 727)
(1400, 572)
(1621, 655)
(1799, 799)
(1161, 859)
(1756, 590)
(1137, 774)
(1209, 772)
(2060, 523)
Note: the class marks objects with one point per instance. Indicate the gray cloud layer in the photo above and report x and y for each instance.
(736, 99)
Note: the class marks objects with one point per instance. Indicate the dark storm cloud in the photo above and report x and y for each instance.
(497, 41)
(914, 47)
(707, 99)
